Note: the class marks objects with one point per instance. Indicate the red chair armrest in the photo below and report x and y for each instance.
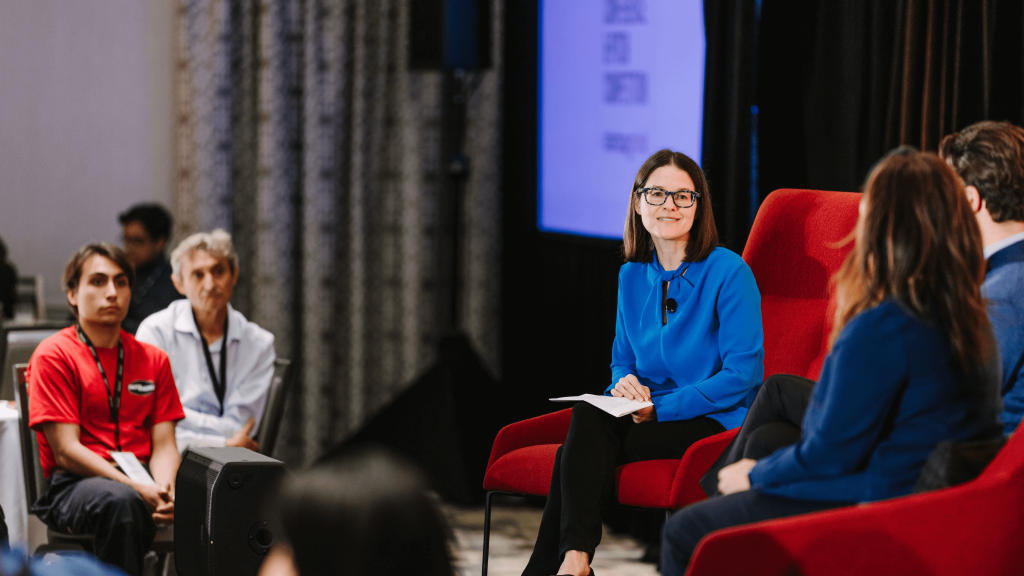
(973, 528)
(547, 429)
(694, 465)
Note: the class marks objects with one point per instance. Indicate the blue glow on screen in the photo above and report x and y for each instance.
(618, 80)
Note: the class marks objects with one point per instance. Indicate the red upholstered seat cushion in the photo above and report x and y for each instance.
(523, 471)
(528, 471)
(646, 484)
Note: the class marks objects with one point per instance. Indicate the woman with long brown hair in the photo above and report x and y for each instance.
(912, 363)
(687, 338)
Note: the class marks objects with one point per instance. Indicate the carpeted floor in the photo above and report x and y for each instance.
(513, 531)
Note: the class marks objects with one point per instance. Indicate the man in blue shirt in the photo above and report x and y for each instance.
(989, 157)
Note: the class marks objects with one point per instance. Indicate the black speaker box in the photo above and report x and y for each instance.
(222, 522)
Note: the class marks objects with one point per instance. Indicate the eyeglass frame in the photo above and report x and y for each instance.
(694, 195)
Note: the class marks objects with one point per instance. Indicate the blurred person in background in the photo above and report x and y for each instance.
(369, 514)
(8, 283)
(146, 228)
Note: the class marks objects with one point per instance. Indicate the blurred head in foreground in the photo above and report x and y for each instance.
(368, 514)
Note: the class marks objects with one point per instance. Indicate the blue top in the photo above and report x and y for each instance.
(888, 395)
(709, 358)
(1004, 290)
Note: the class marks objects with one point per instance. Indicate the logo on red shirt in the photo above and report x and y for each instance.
(142, 387)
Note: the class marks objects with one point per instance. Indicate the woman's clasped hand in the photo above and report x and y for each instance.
(629, 387)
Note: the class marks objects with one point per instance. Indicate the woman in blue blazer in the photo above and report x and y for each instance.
(687, 338)
(912, 363)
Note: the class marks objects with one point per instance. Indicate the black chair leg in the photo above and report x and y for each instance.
(487, 531)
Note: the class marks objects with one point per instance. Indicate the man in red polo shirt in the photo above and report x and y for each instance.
(95, 391)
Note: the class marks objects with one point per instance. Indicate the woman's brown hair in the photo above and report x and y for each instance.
(917, 241)
(637, 244)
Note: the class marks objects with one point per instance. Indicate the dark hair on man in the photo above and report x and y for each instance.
(73, 270)
(153, 217)
(990, 156)
(637, 244)
(369, 513)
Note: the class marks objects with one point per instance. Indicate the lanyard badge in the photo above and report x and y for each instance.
(113, 397)
(219, 385)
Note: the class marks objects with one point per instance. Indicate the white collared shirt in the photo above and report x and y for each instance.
(997, 246)
(250, 367)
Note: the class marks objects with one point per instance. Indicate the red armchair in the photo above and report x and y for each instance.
(793, 250)
(974, 528)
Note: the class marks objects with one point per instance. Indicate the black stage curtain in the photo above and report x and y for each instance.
(731, 32)
(841, 83)
(558, 291)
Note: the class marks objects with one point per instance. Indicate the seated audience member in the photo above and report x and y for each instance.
(367, 515)
(912, 363)
(989, 157)
(8, 284)
(145, 231)
(223, 394)
(94, 390)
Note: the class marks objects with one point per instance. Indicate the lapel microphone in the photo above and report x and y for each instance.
(670, 305)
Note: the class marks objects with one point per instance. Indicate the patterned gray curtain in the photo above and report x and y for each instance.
(302, 131)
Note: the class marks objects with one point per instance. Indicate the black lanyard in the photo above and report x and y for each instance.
(113, 399)
(218, 385)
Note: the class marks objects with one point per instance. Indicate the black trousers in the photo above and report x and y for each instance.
(584, 476)
(686, 528)
(773, 421)
(114, 512)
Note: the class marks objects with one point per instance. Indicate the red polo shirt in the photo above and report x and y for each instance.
(66, 387)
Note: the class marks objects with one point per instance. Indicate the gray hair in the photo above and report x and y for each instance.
(217, 243)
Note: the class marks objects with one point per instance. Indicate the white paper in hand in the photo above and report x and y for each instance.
(132, 468)
(617, 407)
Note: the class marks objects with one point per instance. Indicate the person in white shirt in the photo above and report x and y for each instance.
(223, 395)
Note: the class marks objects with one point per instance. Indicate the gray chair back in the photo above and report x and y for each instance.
(270, 424)
(35, 482)
(30, 303)
(20, 346)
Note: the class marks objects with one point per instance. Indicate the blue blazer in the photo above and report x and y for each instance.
(709, 358)
(888, 395)
(1004, 290)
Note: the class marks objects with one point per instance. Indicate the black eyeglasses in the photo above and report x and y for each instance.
(681, 198)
